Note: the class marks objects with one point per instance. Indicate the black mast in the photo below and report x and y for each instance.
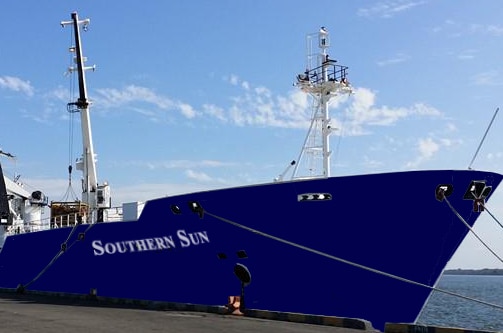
(82, 102)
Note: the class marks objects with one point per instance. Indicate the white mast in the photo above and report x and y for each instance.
(95, 196)
(322, 80)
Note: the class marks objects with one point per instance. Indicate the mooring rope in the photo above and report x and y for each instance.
(64, 248)
(494, 218)
(471, 230)
(21, 288)
(370, 269)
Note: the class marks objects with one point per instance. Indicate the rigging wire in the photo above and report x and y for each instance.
(483, 138)
(494, 218)
(72, 95)
(302, 158)
(370, 269)
(341, 134)
(70, 193)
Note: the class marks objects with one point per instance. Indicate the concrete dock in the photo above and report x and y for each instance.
(40, 313)
(44, 313)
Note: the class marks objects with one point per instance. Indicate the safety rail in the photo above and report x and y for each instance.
(334, 72)
(113, 214)
(66, 220)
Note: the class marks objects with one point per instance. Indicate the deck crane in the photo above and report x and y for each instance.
(95, 197)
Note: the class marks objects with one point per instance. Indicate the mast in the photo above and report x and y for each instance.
(97, 197)
(322, 80)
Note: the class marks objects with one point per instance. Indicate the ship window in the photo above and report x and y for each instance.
(242, 254)
(176, 210)
(314, 197)
(221, 255)
(101, 199)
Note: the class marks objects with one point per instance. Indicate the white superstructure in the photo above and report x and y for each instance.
(20, 210)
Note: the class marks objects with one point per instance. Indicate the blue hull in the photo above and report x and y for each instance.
(388, 222)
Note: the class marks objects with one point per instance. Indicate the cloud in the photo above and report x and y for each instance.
(202, 177)
(371, 163)
(399, 58)
(487, 29)
(49, 110)
(459, 29)
(451, 127)
(148, 191)
(259, 106)
(53, 188)
(496, 30)
(198, 176)
(187, 110)
(176, 164)
(16, 84)
(215, 111)
(495, 156)
(427, 147)
(60, 94)
(233, 79)
(387, 9)
(467, 54)
(490, 78)
(363, 112)
(109, 98)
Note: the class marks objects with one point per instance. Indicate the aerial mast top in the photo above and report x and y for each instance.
(323, 79)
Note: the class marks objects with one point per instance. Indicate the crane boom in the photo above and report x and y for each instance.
(94, 195)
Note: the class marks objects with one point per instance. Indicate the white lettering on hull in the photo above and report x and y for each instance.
(192, 238)
(185, 239)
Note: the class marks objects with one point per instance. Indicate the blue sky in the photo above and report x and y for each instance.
(192, 95)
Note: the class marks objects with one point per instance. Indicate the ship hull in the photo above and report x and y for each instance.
(340, 256)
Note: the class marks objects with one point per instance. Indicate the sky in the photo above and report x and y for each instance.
(195, 95)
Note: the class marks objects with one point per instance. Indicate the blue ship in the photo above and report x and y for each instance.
(366, 246)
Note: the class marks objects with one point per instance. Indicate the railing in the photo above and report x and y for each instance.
(333, 72)
(113, 214)
(67, 220)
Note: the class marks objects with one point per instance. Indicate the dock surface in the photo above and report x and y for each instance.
(35, 313)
